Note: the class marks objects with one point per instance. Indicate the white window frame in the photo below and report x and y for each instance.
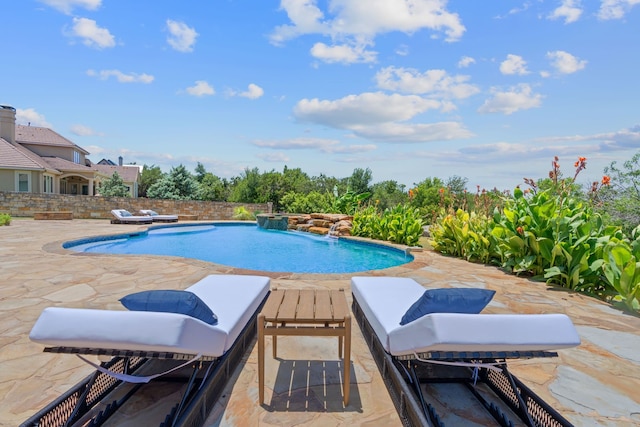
(47, 188)
(76, 157)
(28, 175)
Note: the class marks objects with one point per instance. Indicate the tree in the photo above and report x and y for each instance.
(387, 194)
(246, 186)
(620, 200)
(149, 176)
(429, 195)
(179, 184)
(212, 188)
(360, 180)
(114, 187)
(200, 172)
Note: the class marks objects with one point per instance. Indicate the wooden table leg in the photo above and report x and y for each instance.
(347, 359)
(274, 344)
(261, 325)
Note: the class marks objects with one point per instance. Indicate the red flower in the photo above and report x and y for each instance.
(520, 230)
(606, 180)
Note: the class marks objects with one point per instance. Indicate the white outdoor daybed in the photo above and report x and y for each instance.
(158, 217)
(134, 338)
(455, 348)
(123, 216)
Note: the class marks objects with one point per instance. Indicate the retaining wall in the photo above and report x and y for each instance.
(88, 207)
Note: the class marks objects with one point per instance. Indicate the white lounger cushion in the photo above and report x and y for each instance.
(384, 300)
(233, 298)
(153, 214)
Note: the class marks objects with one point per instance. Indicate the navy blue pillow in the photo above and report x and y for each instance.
(448, 300)
(170, 301)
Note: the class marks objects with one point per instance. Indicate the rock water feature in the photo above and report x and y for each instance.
(333, 225)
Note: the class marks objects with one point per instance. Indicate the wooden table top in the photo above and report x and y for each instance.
(306, 306)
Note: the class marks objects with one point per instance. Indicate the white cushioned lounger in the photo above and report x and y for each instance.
(384, 300)
(123, 216)
(233, 298)
(158, 217)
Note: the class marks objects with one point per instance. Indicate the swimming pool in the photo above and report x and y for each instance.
(251, 247)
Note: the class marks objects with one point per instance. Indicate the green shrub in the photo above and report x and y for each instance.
(307, 203)
(241, 213)
(5, 219)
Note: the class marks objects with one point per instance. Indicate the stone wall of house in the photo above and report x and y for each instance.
(87, 207)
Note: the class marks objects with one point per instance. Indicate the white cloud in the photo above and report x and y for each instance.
(615, 9)
(569, 10)
(121, 77)
(201, 88)
(435, 82)
(565, 63)
(357, 22)
(342, 53)
(350, 149)
(402, 50)
(378, 116)
(518, 98)
(181, 36)
(82, 130)
(274, 157)
(365, 109)
(253, 92)
(320, 144)
(514, 64)
(410, 132)
(92, 35)
(297, 143)
(465, 61)
(66, 6)
(31, 116)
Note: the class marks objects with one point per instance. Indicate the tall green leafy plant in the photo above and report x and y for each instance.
(622, 270)
(463, 234)
(401, 224)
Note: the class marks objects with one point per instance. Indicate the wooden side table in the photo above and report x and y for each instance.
(306, 312)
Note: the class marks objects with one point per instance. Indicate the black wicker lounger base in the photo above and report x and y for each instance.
(433, 394)
(194, 389)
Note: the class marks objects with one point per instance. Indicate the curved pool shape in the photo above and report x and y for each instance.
(250, 247)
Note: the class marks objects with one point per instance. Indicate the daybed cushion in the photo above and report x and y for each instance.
(170, 301)
(448, 300)
(384, 300)
(234, 298)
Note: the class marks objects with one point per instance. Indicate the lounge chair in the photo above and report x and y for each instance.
(456, 355)
(157, 217)
(122, 216)
(148, 348)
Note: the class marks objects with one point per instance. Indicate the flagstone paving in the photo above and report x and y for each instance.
(595, 384)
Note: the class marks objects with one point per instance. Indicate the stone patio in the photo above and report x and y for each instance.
(595, 384)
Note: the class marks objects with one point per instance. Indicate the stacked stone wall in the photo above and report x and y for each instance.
(96, 207)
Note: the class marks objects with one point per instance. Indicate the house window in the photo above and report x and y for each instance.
(48, 184)
(23, 182)
(76, 157)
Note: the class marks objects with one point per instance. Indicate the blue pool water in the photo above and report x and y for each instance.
(250, 247)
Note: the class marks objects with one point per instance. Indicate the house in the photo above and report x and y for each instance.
(39, 160)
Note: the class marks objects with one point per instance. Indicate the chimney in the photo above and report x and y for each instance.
(8, 123)
(120, 161)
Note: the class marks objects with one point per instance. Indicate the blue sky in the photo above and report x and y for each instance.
(411, 89)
